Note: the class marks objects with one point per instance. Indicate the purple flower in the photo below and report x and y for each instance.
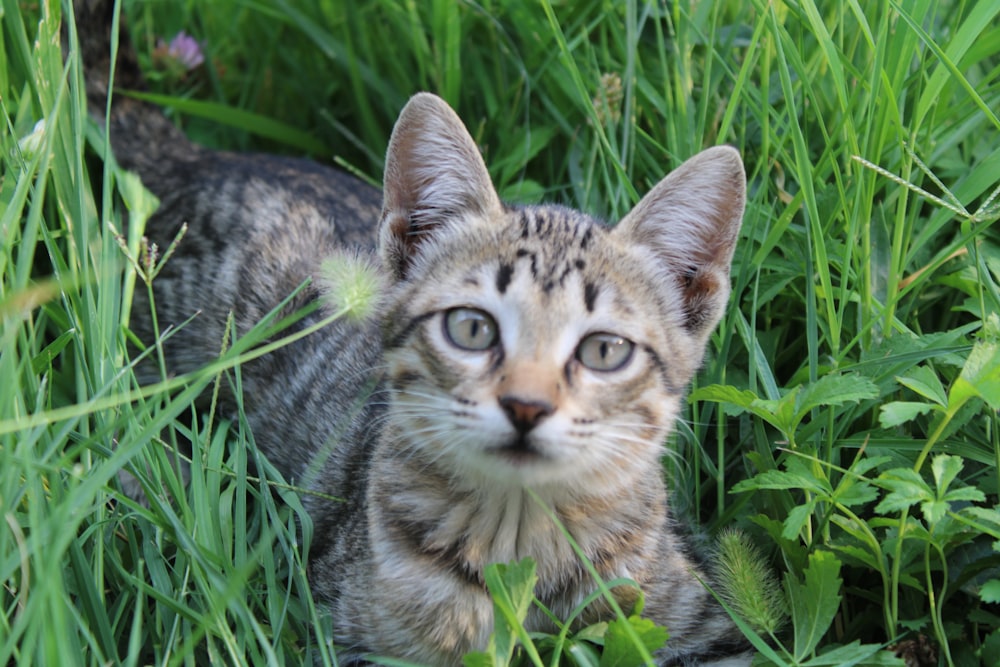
(183, 50)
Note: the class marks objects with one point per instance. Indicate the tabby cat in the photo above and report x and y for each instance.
(518, 357)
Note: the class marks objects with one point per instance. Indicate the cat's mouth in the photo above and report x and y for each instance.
(519, 451)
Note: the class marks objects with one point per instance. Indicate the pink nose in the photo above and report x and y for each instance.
(524, 415)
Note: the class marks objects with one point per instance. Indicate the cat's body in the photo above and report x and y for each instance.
(517, 355)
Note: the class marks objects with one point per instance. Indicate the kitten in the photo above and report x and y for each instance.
(517, 354)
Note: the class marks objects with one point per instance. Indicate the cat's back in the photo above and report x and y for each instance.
(252, 230)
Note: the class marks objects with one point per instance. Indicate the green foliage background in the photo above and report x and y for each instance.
(847, 415)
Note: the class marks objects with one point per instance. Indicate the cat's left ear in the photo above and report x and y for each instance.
(433, 174)
(691, 220)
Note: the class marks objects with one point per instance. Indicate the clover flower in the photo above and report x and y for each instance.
(182, 54)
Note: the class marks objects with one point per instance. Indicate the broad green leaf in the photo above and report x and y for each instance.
(797, 519)
(779, 479)
(854, 653)
(852, 492)
(778, 412)
(945, 469)
(900, 412)
(814, 603)
(836, 389)
(924, 381)
(988, 521)
(864, 464)
(980, 376)
(781, 412)
(593, 633)
(786, 412)
(479, 659)
(934, 511)
(965, 493)
(619, 648)
(720, 393)
(991, 649)
(906, 487)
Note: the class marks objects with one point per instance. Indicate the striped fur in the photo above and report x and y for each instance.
(441, 453)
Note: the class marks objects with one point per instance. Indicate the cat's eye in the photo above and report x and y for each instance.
(604, 352)
(470, 329)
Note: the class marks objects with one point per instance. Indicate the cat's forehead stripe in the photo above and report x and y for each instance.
(589, 296)
(503, 276)
(555, 223)
(552, 244)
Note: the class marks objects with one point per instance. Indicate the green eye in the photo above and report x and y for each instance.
(470, 329)
(604, 352)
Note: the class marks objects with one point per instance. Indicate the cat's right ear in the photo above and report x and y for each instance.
(433, 174)
(690, 221)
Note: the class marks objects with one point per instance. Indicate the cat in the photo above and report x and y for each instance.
(520, 360)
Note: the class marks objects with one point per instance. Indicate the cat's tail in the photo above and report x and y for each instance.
(142, 138)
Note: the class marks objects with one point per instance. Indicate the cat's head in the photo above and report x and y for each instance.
(534, 345)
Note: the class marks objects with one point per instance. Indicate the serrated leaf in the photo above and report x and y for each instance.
(896, 502)
(620, 649)
(779, 479)
(990, 592)
(745, 400)
(965, 493)
(899, 412)
(990, 649)
(720, 393)
(863, 465)
(782, 411)
(907, 488)
(934, 511)
(836, 389)
(814, 603)
(945, 469)
(906, 475)
(851, 492)
(924, 381)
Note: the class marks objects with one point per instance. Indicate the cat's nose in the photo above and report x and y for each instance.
(524, 415)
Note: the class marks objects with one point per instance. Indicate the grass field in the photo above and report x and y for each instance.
(846, 418)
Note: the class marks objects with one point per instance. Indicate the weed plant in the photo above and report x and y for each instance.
(846, 418)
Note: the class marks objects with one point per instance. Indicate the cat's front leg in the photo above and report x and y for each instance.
(426, 613)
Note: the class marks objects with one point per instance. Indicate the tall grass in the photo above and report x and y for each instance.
(846, 416)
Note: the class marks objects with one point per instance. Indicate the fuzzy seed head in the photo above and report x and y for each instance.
(747, 584)
(353, 285)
